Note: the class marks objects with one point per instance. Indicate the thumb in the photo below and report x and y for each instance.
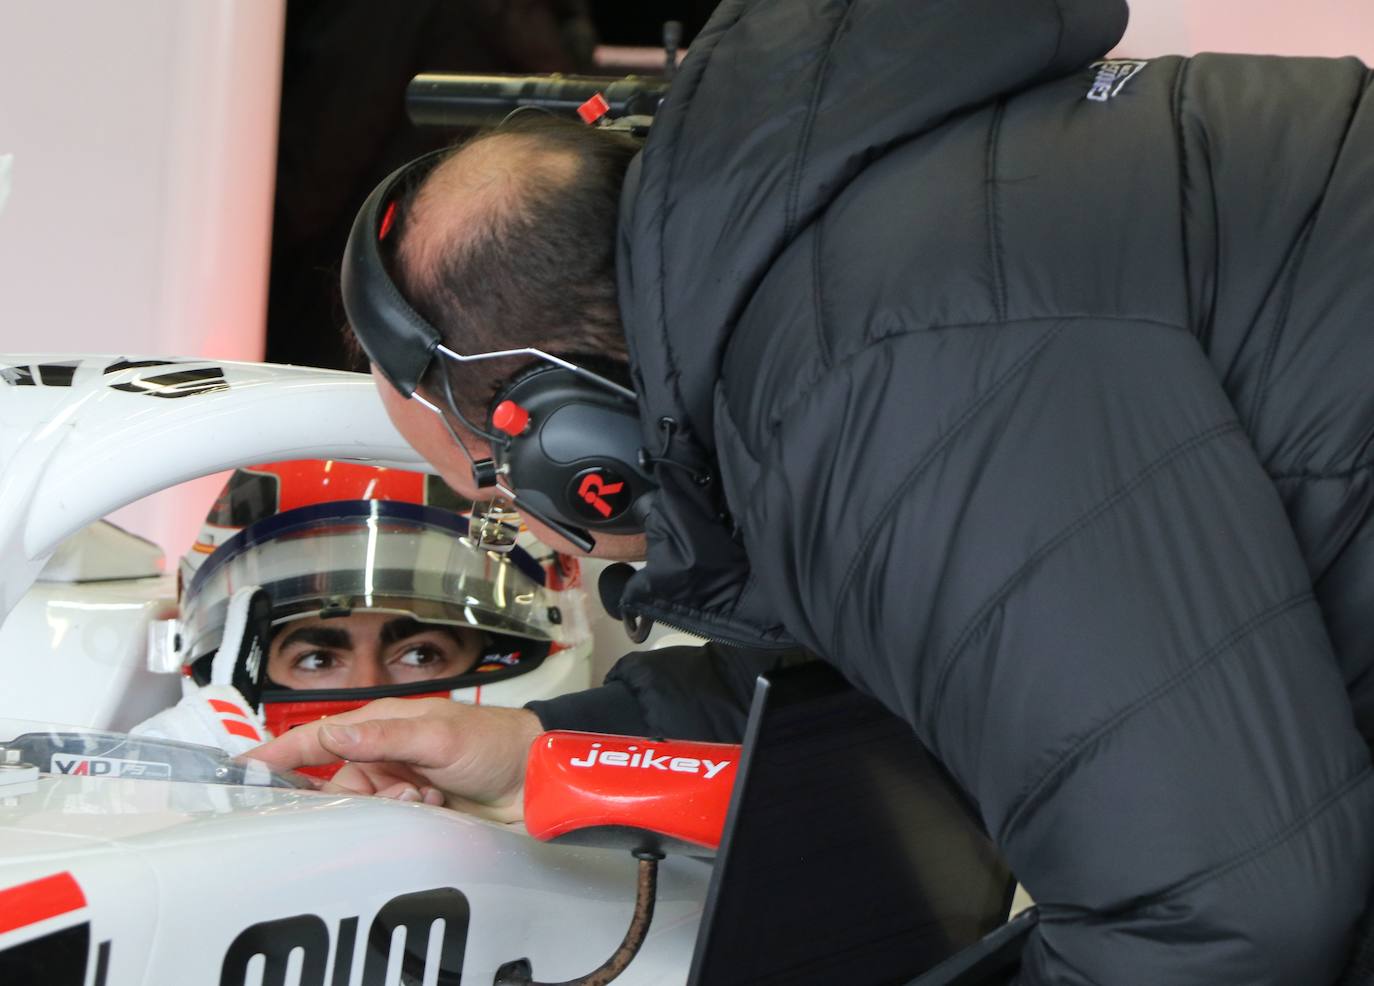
(339, 739)
(420, 742)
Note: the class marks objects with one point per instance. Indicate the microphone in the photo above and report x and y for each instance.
(611, 586)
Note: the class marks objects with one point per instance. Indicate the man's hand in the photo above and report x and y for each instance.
(471, 758)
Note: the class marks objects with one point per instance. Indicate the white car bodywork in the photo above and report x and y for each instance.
(194, 882)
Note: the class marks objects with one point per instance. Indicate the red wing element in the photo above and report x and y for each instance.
(616, 790)
(38, 900)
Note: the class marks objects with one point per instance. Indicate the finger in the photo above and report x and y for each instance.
(404, 791)
(301, 747)
(351, 779)
(422, 742)
(432, 796)
(298, 748)
(356, 778)
(390, 708)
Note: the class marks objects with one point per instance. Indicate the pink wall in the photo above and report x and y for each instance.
(1279, 27)
(142, 145)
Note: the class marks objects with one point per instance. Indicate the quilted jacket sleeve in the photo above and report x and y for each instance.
(1054, 552)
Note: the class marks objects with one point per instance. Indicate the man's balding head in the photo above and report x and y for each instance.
(478, 191)
(510, 242)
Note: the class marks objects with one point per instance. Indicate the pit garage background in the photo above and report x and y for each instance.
(176, 178)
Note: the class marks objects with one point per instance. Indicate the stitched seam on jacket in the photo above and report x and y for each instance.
(1300, 254)
(1277, 839)
(1058, 35)
(1281, 319)
(804, 145)
(1204, 324)
(671, 152)
(900, 334)
(1040, 789)
(1078, 524)
(1350, 473)
(817, 302)
(1024, 361)
(1028, 320)
(1064, 914)
(1359, 466)
(994, 230)
(1176, 107)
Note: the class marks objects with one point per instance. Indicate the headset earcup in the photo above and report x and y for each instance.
(576, 456)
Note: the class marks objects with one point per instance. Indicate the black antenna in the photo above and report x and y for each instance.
(672, 38)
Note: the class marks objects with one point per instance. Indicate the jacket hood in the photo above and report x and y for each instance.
(779, 104)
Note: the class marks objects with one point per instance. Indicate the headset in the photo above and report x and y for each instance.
(566, 444)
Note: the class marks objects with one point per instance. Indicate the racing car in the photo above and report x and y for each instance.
(126, 860)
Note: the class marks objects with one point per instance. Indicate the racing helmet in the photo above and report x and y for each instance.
(327, 540)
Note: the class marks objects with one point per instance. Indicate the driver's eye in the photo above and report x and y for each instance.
(420, 656)
(316, 660)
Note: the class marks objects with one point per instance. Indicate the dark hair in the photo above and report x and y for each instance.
(539, 273)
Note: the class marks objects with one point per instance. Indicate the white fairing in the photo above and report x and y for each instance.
(80, 653)
(100, 438)
(175, 874)
(78, 639)
(103, 553)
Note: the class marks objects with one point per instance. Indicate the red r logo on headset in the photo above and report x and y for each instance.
(591, 488)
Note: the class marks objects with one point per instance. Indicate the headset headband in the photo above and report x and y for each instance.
(397, 340)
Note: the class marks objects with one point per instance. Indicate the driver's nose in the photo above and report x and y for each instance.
(366, 672)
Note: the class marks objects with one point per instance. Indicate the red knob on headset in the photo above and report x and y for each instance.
(510, 417)
(594, 109)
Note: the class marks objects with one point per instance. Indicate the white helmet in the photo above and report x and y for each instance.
(387, 548)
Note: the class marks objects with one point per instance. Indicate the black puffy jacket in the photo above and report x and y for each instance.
(1038, 397)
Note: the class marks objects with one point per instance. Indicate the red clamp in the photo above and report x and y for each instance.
(590, 788)
(594, 109)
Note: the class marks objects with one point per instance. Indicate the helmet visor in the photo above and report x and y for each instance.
(335, 558)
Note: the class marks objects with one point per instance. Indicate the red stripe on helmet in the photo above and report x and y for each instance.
(306, 482)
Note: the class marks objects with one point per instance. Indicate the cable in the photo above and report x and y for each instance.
(520, 972)
(668, 425)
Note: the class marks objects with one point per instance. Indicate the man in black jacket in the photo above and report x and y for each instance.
(1035, 395)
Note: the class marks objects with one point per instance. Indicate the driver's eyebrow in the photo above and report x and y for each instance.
(316, 636)
(401, 628)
